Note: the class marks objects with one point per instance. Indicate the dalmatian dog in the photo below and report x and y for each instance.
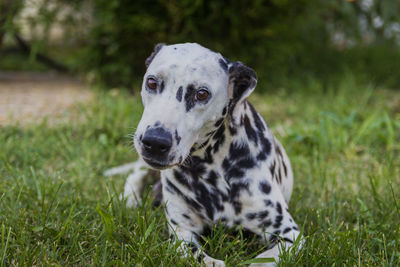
(218, 160)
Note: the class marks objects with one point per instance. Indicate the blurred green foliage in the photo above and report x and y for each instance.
(284, 41)
(281, 39)
(271, 36)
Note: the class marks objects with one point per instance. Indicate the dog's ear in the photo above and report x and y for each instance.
(242, 81)
(157, 49)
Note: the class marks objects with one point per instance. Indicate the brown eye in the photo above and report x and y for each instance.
(152, 83)
(202, 94)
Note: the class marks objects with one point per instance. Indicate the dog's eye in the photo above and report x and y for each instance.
(152, 83)
(202, 94)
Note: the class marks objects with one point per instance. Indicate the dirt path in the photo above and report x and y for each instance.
(30, 97)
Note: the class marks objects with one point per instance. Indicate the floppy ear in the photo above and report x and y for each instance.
(242, 81)
(157, 49)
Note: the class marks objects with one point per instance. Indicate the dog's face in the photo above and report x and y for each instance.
(186, 92)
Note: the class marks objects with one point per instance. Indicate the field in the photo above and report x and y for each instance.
(56, 207)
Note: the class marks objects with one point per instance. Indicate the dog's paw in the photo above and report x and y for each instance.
(211, 262)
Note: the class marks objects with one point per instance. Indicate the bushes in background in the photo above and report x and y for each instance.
(284, 41)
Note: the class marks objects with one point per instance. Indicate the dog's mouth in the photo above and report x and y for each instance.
(159, 165)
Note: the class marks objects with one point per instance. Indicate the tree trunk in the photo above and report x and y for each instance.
(8, 10)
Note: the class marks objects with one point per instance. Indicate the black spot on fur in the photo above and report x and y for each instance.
(251, 133)
(174, 222)
(278, 221)
(268, 202)
(234, 172)
(265, 224)
(194, 248)
(181, 179)
(237, 150)
(278, 207)
(265, 187)
(157, 194)
(246, 163)
(219, 137)
(212, 178)
(157, 49)
(278, 151)
(287, 240)
(274, 238)
(237, 206)
(218, 122)
(204, 197)
(237, 187)
(200, 258)
(234, 193)
(262, 214)
(208, 155)
(195, 167)
(177, 137)
(223, 64)
(186, 216)
(284, 168)
(224, 111)
(232, 130)
(272, 168)
(238, 161)
(190, 98)
(231, 107)
(237, 222)
(162, 87)
(279, 177)
(179, 94)
(287, 230)
(225, 164)
(251, 216)
(265, 147)
(220, 133)
(257, 119)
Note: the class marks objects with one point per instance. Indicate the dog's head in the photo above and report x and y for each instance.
(186, 92)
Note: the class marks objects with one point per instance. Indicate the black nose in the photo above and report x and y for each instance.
(157, 141)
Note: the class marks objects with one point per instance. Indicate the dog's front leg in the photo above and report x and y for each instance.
(186, 226)
(134, 184)
(280, 233)
(190, 242)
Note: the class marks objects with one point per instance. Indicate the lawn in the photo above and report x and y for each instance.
(56, 207)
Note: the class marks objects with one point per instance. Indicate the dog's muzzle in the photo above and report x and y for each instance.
(156, 144)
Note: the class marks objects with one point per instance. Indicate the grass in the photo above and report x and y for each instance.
(57, 209)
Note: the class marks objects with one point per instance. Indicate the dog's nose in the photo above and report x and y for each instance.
(157, 141)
